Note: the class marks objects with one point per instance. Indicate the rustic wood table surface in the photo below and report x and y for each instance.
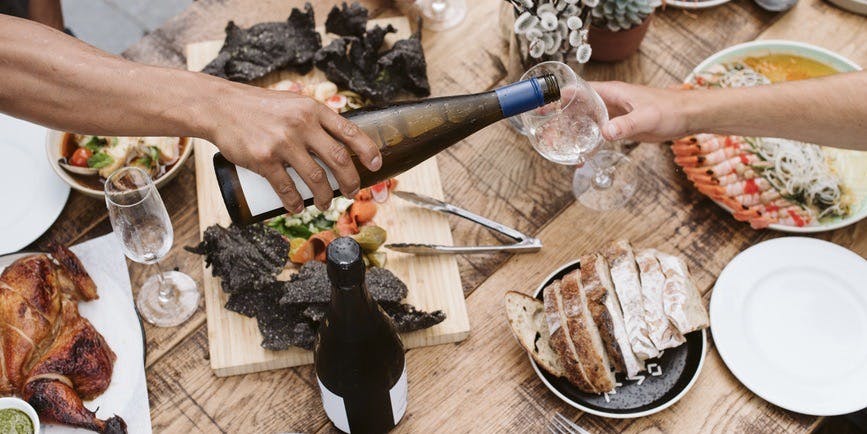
(485, 383)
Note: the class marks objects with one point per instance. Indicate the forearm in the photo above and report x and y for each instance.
(58, 81)
(829, 111)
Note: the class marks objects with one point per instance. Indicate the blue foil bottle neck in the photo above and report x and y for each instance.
(517, 98)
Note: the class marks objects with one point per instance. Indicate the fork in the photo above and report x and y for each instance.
(560, 424)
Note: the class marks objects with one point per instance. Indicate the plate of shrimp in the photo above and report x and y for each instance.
(774, 183)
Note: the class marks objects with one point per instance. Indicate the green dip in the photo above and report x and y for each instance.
(14, 421)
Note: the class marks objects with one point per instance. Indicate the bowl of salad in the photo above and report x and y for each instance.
(84, 162)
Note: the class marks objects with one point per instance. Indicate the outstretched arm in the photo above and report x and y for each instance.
(829, 111)
(58, 81)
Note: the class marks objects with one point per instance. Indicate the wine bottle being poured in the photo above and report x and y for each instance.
(408, 133)
(358, 355)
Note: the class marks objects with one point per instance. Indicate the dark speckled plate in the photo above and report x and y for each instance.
(666, 380)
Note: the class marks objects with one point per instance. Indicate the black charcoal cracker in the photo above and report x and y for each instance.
(252, 53)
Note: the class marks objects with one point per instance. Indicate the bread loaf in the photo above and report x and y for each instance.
(527, 321)
(627, 285)
(605, 310)
(585, 335)
(561, 341)
(681, 300)
(663, 333)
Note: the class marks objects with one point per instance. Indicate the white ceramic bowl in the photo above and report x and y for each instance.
(54, 140)
(771, 46)
(19, 404)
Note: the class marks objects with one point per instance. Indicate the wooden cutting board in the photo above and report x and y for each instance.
(434, 281)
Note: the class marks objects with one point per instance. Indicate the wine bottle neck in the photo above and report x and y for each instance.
(351, 304)
(517, 98)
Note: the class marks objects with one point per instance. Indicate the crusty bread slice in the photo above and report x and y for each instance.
(663, 333)
(560, 340)
(585, 335)
(681, 300)
(527, 320)
(605, 310)
(627, 285)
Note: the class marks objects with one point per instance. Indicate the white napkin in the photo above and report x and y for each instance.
(114, 316)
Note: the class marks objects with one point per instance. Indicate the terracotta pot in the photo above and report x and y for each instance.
(611, 46)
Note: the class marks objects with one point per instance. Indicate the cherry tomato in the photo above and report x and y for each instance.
(80, 156)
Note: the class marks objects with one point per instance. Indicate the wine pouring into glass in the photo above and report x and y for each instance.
(569, 132)
(141, 223)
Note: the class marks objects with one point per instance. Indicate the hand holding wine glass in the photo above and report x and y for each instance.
(569, 132)
(141, 223)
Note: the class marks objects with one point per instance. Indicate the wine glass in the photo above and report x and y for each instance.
(569, 132)
(141, 223)
(442, 14)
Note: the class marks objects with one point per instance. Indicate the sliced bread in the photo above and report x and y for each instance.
(605, 310)
(681, 300)
(624, 274)
(527, 320)
(663, 333)
(561, 341)
(585, 335)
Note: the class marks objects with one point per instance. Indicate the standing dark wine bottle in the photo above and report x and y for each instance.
(358, 354)
(408, 133)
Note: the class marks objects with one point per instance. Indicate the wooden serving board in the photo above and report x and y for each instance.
(434, 281)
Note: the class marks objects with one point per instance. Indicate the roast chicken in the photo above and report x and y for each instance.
(50, 355)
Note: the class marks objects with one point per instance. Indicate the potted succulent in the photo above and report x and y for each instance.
(618, 27)
(565, 30)
(543, 30)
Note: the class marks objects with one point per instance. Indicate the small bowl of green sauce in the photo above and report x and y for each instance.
(17, 417)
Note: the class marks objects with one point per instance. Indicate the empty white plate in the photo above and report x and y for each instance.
(31, 194)
(789, 318)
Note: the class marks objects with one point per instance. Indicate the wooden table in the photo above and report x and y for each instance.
(485, 383)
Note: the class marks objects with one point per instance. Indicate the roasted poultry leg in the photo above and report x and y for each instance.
(55, 401)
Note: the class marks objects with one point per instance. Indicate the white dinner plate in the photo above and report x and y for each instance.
(789, 318)
(695, 4)
(114, 316)
(31, 194)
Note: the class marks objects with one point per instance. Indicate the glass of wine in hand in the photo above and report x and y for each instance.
(569, 132)
(141, 223)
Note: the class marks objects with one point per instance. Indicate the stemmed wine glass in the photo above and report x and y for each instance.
(141, 223)
(569, 132)
(442, 14)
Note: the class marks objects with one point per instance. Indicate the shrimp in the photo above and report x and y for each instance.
(791, 216)
(738, 164)
(761, 209)
(703, 144)
(714, 157)
(745, 186)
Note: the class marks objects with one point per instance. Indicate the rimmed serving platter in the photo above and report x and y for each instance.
(696, 4)
(854, 163)
(789, 319)
(666, 380)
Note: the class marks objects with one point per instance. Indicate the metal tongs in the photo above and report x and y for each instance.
(524, 244)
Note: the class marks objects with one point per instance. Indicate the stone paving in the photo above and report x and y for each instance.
(114, 25)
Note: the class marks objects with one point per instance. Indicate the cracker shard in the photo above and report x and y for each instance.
(247, 259)
(251, 53)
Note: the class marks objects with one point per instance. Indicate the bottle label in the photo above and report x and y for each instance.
(398, 397)
(261, 197)
(335, 408)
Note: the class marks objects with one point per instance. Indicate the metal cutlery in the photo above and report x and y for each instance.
(524, 243)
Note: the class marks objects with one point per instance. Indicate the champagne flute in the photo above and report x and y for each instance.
(441, 15)
(141, 223)
(569, 132)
